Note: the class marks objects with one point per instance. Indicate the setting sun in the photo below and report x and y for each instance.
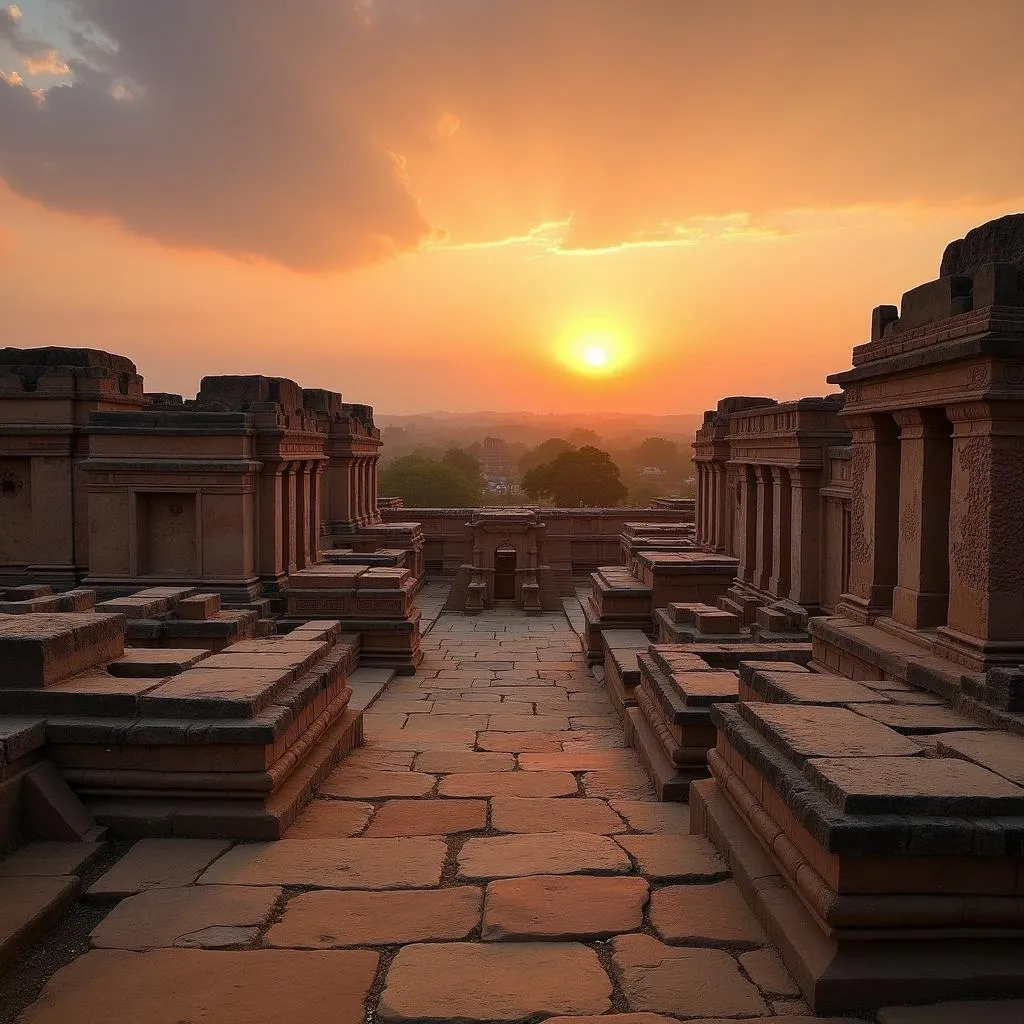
(594, 351)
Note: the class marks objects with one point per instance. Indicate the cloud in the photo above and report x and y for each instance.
(329, 135)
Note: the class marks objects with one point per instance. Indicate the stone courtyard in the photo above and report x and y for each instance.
(493, 852)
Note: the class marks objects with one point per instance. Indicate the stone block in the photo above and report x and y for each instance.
(215, 693)
(29, 907)
(554, 853)
(135, 607)
(918, 719)
(772, 620)
(428, 818)
(525, 815)
(518, 784)
(920, 785)
(807, 688)
(331, 819)
(155, 663)
(200, 606)
(157, 864)
(50, 859)
(717, 621)
(801, 732)
(39, 650)
(19, 736)
(999, 752)
(675, 858)
(714, 914)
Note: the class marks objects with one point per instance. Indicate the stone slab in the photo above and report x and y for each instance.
(28, 907)
(811, 688)
(684, 982)
(49, 858)
(375, 784)
(579, 761)
(527, 723)
(215, 693)
(155, 662)
(526, 815)
(37, 650)
(523, 784)
(171, 986)
(183, 917)
(766, 969)
(648, 816)
(920, 785)
(331, 819)
(563, 907)
(329, 920)
(622, 784)
(428, 818)
(714, 914)
(803, 731)
(448, 762)
(520, 742)
(999, 752)
(670, 858)
(917, 719)
(157, 864)
(333, 864)
(551, 853)
(483, 982)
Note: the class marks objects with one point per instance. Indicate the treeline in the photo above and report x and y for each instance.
(565, 472)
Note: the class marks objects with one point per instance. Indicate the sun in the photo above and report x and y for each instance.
(594, 350)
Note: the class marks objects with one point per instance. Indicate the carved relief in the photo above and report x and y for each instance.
(910, 519)
(860, 547)
(989, 470)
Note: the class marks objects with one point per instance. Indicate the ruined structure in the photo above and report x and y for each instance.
(872, 810)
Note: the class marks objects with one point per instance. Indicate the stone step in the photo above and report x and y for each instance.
(29, 907)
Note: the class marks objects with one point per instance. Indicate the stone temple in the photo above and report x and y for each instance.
(274, 748)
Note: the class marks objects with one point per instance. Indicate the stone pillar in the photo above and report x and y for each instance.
(303, 512)
(874, 516)
(805, 536)
(748, 526)
(338, 495)
(317, 506)
(986, 517)
(765, 527)
(374, 488)
(782, 493)
(721, 506)
(921, 596)
(288, 517)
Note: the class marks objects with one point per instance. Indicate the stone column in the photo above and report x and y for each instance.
(374, 487)
(874, 516)
(765, 527)
(303, 512)
(288, 520)
(805, 536)
(986, 519)
(270, 557)
(317, 519)
(748, 526)
(782, 492)
(338, 492)
(921, 596)
(721, 506)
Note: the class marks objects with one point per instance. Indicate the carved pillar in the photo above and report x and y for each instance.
(748, 526)
(288, 517)
(805, 536)
(303, 512)
(765, 527)
(986, 518)
(721, 501)
(270, 554)
(782, 514)
(316, 518)
(874, 516)
(921, 596)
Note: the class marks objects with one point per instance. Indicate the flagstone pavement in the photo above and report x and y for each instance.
(492, 853)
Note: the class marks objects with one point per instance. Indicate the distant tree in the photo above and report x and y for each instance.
(464, 462)
(584, 476)
(544, 452)
(659, 453)
(428, 483)
(582, 437)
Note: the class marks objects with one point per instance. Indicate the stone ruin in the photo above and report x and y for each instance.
(851, 733)
(187, 590)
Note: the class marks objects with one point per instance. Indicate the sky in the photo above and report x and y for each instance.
(540, 205)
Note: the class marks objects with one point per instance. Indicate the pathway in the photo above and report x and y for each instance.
(493, 852)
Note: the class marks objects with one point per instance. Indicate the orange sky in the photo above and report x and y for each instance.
(415, 201)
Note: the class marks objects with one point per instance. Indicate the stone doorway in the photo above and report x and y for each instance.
(505, 574)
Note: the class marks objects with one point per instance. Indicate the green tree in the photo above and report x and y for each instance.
(546, 451)
(464, 462)
(422, 482)
(659, 453)
(585, 476)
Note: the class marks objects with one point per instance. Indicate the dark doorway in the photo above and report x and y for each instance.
(505, 574)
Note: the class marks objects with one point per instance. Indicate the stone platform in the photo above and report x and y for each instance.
(877, 833)
(181, 742)
(378, 603)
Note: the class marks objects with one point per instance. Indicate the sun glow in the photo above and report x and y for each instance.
(591, 351)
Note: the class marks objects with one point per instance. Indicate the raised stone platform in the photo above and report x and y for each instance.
(877, 834)
(375, 602)
(182, 742)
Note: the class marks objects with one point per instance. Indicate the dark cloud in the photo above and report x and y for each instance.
(328, 134)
